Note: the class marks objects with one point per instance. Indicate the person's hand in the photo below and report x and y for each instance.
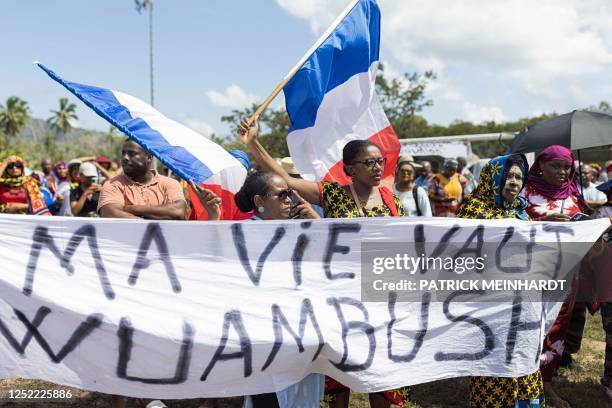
(303, 209)
(210, 201)
(59, 199)
(91, 190)
(556, 217)
(248, 130)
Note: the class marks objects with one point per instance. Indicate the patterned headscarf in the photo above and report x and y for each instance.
(486, 202)
(555, 152)
(14, 181)
(35, 199)
(56, 172)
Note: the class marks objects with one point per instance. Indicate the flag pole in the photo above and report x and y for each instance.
(302, 61)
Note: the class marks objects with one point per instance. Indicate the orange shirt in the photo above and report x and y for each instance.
(123, 191)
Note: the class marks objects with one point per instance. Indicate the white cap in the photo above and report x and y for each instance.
(88, 170)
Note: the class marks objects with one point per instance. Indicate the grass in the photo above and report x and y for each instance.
(581, 390)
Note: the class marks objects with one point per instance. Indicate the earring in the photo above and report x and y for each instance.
(260, 209)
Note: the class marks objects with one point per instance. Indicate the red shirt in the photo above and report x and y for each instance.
(540, 206)
(10, 195)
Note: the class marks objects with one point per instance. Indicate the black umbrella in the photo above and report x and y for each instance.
(575, 130)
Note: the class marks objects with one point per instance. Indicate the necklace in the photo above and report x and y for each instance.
(358, 200)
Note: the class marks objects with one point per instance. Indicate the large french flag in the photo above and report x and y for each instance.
(187, 153)
(332, 100)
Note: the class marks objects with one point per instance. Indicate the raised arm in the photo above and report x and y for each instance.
(3, 165)
(107, 175)
(248, 133)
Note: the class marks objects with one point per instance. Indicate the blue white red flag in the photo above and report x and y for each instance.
(188, 154)
(332, 100)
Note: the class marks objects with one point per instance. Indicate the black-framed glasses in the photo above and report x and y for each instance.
(285, 194)
(14, 166)
(372, 162)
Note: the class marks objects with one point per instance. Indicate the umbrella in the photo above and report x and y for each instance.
(576, 130)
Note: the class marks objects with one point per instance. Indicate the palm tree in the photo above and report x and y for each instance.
(13, 116)
(60, 121)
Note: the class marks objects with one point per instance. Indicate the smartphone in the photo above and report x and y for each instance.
(580, 217)
(294, 203)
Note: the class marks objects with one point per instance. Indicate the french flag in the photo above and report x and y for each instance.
(331, 100)
(188, 154)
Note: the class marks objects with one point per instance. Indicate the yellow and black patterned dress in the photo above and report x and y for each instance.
(337, 203)
(486, 203)
(507, 392)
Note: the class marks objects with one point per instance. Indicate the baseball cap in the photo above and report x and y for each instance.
(88, 170)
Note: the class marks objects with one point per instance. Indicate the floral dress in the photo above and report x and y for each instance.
(486, 202)
(337, 203)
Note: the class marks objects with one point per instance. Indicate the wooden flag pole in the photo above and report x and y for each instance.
(302, 61)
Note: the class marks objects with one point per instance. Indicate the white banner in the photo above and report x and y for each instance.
(212, 309)
(444, 149)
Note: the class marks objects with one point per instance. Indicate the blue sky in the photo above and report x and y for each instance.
(496, 60)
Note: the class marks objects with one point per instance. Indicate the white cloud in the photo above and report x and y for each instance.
(199, 125)
(319, 13)
(478, 114)
(75, 123)
(232, 97)
(532, 41)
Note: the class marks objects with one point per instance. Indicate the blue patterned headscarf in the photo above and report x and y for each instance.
(486, 202)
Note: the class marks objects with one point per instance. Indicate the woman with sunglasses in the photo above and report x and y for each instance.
(414, 198)
(364, 197)
(19, 194)
(270, 198)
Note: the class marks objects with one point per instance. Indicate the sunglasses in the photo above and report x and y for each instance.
(405, 171)
(372, 162)
(14, 166)
(284, 194)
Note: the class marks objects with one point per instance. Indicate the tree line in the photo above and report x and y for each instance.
(403, 100)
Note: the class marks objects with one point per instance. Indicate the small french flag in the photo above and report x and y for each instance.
(188, 154)
(331, 100)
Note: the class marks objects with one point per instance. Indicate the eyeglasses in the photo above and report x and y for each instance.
(285, 194)
(371, 162)
(405, 171)
(14, 166)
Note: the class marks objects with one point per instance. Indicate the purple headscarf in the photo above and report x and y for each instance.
(554, 152)
(56, 173)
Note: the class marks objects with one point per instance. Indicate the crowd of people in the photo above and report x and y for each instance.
(554, 188)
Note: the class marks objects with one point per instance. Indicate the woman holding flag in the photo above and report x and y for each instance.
(364, 197)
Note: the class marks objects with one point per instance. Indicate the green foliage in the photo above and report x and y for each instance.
(48, 147)
(602, 107)
(60, 121)
(402, 98)
(274, 127)
(13, 118)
